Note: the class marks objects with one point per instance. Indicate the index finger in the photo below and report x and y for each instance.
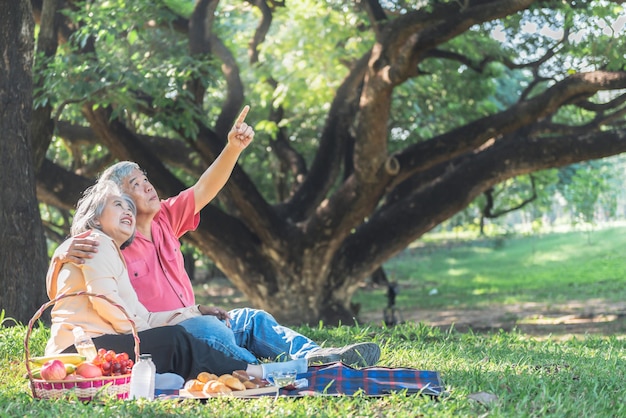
(242, 116)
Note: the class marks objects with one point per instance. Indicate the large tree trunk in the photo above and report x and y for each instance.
(358, 203)
(23, 253)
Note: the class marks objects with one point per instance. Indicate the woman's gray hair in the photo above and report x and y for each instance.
(90, 207)
(118, 172)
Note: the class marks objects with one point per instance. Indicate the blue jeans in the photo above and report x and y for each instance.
(253, 334)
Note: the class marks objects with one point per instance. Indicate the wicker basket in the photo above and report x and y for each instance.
(83, 389)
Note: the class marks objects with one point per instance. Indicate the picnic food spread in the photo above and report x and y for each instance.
(210, 384)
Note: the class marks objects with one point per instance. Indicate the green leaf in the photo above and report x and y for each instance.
(132, 37)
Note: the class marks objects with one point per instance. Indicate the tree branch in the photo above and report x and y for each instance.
(59, 187)
(202, 41)
(328, 159)
(376, 240)
(376, 14)
(289, 159)
(41, 122)
(407, 38)
(487, 211)
(427, 154)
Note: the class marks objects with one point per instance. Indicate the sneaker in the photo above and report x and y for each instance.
(359, 355)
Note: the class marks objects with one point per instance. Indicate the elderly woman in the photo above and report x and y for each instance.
(110, 215)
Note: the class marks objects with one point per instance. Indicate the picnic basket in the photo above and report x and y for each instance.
(84, 389)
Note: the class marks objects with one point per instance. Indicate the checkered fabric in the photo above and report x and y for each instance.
(338, 378)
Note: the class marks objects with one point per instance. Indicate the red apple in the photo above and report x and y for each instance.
(88, 370)
(53, 370)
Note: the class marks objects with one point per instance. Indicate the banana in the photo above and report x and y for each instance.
(67, 358)
(35, 372)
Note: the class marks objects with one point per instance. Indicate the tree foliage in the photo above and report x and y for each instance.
(376, 120)
(584, 187)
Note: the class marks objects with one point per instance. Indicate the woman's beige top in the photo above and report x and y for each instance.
(104, 274)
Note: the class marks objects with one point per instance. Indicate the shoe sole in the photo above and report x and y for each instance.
(361, 355)
(357, 355)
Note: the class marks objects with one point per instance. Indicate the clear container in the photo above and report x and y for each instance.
(142, 378)
(84, 344)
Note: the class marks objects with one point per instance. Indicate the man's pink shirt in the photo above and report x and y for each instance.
(156, 268)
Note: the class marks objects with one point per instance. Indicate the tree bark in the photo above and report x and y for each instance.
(23, 253)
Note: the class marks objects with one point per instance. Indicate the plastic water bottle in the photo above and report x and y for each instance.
(84, 345)
(142, 378)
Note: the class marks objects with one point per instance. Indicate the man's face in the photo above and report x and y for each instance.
(137, 186)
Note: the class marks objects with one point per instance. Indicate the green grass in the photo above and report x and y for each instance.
(578, 377)
(550, 268)
(529, 377)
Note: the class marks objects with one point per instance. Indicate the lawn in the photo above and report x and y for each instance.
(496, 374)
(548, 268)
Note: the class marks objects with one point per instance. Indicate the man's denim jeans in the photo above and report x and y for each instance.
(253, 334)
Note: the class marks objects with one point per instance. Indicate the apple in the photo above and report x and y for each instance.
(88, 370)
(53, 370)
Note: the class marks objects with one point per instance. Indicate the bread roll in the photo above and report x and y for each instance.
(251, 385)
(194, 385)
(215, 386)
(223, 377)
(234, 383)
(206, 376)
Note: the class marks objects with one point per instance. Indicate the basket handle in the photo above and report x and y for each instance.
(45, 306)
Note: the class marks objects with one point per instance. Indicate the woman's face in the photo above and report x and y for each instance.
(117, 220)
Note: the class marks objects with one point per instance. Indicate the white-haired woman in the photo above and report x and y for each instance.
(110, 215)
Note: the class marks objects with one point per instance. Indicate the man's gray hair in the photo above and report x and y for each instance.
(118, 172)
(90, 207)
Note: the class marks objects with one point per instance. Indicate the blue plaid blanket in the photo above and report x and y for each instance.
(337, 378)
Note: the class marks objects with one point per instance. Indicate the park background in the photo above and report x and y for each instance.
(461, 151)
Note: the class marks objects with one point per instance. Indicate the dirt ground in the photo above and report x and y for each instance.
(574, 318)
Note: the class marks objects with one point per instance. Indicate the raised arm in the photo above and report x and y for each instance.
(216, 176)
